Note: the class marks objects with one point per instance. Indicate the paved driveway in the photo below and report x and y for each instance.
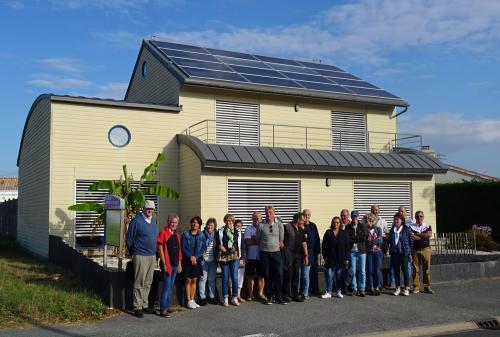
(453, 302)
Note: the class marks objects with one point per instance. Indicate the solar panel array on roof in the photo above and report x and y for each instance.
(215, 64)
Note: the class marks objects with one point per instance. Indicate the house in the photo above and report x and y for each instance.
(8, 188)
(456, 174)
(239, 131)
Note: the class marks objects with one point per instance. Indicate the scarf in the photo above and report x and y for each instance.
(210, 237)
(230, 237)
(398, 233)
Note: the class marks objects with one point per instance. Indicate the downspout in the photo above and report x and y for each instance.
(400, 113)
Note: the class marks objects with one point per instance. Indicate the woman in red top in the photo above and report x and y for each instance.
(169, 250)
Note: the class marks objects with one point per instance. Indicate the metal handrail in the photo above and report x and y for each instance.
(376, 141)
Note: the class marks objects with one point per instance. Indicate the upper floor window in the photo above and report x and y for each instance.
(349, 131)
(237, 123)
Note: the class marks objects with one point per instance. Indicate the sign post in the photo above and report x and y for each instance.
(114, 226)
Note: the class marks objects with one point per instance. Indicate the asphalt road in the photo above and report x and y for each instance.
(452, 303)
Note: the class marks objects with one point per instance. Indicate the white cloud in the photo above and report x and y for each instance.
(14, 4)
(368, 31)
(451, 132)
(115, 90)
(120, 38)
(62, 63)
(60, 83)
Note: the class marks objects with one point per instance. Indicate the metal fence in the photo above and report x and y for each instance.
(462, 244)
(8, 218)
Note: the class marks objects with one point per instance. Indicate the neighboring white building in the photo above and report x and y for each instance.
(8, 189)
(457, 174)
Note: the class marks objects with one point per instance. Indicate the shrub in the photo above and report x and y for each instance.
(484, 241)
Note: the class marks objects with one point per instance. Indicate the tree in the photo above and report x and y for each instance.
(134, 196)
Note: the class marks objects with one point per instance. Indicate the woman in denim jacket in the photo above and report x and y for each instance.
(193, 245)
(209, 263)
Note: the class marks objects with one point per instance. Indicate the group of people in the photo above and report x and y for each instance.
(278, 261)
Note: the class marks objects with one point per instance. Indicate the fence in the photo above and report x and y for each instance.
(8, 218)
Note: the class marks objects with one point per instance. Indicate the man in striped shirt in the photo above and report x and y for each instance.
(422, 233)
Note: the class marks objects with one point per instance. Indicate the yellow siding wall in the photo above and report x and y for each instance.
(34, 188)
(159, 86)
(324, 202)
(189, 185)
(279, 110)
(81, 150)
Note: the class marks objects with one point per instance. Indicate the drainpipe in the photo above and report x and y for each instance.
(400, 113)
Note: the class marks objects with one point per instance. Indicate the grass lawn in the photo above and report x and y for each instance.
(33, 292)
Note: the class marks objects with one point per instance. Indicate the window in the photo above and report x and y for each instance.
(389, 196)
(119, 136)
(248, 196)
(85, 231)
(349, 131)
(237, 123)
(144, 69)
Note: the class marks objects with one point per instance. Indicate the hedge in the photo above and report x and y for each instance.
(461, 205)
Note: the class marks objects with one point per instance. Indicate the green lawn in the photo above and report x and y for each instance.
(33, 292)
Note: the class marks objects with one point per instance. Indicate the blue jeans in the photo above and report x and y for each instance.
(391, 274)
(304, 279)
(166, 291)
(230, 270)
(358, 263)
(409, 267)
(374, 269)
(209, 273)
(333, 278)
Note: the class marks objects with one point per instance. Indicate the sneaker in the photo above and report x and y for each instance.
(428, 290)
(339, 295)
(416, 290)
(306, 297)
(406, 292)
(226, 302)
(281, 301)
(138, 314)
(165, 314)
(241, 300)
(191, 305)
(196, 305)
(262, 297)
(269, 301)
(326, 295)
(361, 294)
(203, 302)
(397, 292)
(235, 301)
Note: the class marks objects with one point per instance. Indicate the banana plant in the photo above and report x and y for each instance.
(134, 195)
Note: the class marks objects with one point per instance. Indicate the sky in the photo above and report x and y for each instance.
(440, 56)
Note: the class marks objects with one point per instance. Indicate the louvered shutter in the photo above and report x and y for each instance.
(84, 221)
(389, 196)
(348, 131)
(237, 123)
(248, 196)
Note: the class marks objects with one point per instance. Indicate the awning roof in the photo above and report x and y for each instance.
(310, 160)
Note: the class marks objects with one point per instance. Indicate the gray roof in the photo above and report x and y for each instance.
(309, 160)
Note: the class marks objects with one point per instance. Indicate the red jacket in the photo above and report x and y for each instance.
(162, 239)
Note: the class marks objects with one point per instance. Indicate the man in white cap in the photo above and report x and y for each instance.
(141, 245)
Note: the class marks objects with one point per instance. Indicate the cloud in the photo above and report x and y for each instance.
(62, 63)
(120, 38)
(115, 90)
(17, 5)
(367, 32)
(451, 132)
(60, 83)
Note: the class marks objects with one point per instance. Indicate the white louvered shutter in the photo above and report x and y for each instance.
(84, 221)
(389, 196)
(348, 131)
(248, 196)
(237, 123)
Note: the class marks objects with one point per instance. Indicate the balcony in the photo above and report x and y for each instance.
(281, 135)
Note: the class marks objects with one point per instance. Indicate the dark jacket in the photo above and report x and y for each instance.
(316, 248)
(188, 245)
(359, 236)
(406, 240)
(335, 250)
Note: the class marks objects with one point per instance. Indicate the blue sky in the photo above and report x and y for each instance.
(440, 56)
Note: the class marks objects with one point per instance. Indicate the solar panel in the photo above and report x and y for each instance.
(212, 74)
(217, 64)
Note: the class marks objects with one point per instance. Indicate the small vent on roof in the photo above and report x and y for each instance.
(488, 323)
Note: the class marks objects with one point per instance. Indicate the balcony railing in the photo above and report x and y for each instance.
(281, 135)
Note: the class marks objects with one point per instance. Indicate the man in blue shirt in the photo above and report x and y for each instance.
(141, 245)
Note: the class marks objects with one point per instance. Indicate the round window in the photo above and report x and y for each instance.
(144, 69)
(119, 136)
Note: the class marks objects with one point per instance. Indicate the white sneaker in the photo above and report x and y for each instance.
(339, 294)
(191, 305)
(397, 292)
(406, 292)
(196, 304)
(326, 295)
(226, 302)
(235, 301)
